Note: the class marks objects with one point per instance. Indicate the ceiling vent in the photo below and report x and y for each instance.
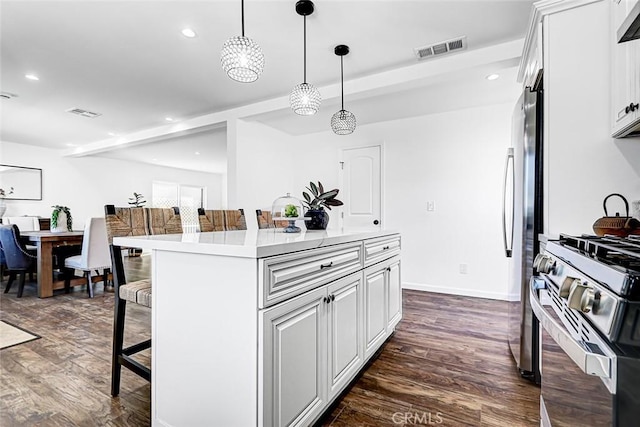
(7, 95)
(83, 113)
(441, 48)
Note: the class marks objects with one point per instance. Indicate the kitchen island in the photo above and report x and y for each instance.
(264, 328)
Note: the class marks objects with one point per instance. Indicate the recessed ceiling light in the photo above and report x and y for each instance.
(71, 145)
(493, 76)
(169, 119)
(112, 134)
(155, 160)
(188, 32)
(32, 77)
(197, 153)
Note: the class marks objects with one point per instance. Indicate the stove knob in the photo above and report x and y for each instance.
(544, 264)
(582, 297)
(567, 285)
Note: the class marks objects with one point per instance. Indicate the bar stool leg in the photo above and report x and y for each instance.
(118, 341)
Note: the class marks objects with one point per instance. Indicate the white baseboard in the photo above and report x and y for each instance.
(457, 291)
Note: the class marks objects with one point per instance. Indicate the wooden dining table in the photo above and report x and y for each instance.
(46, 241)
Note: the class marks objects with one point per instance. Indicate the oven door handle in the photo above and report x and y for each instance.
(590, 363)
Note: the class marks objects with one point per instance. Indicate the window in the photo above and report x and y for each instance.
(187, 197)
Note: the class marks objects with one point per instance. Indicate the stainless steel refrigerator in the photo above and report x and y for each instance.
(522, 224)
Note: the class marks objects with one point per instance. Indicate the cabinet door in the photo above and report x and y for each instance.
(624, 76)
(375, 323)
(394, 305)
(294, 353)
(345, 337)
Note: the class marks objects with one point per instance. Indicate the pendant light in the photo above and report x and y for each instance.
(305, 98)
(242, 58)
(343, 122)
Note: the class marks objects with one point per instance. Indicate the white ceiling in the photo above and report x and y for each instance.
(128, 61)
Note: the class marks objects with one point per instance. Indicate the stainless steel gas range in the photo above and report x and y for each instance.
(587, 297)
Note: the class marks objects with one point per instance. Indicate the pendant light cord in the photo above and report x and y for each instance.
(341, 82)
(242, 9)
(304, 80)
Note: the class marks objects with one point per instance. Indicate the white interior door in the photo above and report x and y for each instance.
(361, 187)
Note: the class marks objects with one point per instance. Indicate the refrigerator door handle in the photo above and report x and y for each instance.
(508, 247)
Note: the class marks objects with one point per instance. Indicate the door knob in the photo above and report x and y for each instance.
(376, 222)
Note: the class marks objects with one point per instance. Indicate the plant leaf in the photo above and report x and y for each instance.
(333, 202)
(328, 195)
(314, 188)
(306, 196)
(320, 187)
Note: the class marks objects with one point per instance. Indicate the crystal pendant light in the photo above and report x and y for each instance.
(305, 98)
(343, 122)
(242, 58)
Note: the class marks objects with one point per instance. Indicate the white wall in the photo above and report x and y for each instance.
(259, 167)
(455, 159)
(584, 164)
(86, 184)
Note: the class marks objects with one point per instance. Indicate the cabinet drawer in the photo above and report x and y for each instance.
(379, 249)
(285, 276)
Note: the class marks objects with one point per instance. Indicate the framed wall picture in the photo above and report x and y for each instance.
(20, 182)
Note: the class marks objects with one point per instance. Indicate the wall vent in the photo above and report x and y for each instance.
(83, 113)
(7, 95)
(441, 48)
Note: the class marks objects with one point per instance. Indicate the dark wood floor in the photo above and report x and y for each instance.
(448, 364)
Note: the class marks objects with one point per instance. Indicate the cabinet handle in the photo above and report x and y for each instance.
(326, 265)
(385, 248)
(388, 268)
(633, 107)
(333, 297)
(325, 300)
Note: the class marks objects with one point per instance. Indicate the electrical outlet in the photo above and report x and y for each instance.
(463, 268)
(431, 206)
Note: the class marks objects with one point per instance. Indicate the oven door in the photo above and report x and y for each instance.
(578, 376)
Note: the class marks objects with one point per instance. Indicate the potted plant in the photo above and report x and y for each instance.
(61, 219)
(137, 201)
(316, 200)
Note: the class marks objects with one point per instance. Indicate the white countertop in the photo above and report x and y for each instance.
(248, 243)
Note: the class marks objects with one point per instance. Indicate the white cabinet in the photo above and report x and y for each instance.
(382, 302)
(285, 276)
(285, 335)
(375, 322)
(625, 76)
(312, 347)
(345, 340)
(531, 66)
(621, 9)
(394, 294)
(293, 353)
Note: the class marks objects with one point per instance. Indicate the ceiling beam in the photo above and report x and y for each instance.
(411, 76)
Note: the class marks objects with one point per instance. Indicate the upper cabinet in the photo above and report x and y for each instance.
(626, 19)
(625, 75)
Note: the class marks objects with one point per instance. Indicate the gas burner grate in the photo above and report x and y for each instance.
(620, 251)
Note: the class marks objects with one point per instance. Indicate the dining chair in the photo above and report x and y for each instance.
(24, 223)
(126, 222)
(3, 263)
(18, 259)
(164, 220)
(234, 220)
(210, 220)
(266, 221)
(94, 256)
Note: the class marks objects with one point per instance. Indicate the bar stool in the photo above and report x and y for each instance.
(126, 222)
